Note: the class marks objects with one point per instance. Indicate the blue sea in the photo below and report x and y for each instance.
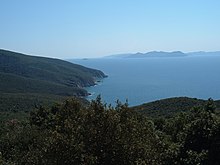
(144, 80)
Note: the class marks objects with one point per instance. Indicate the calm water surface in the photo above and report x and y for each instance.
(145, 80)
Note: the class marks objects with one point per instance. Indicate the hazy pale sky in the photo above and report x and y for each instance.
(93, 28)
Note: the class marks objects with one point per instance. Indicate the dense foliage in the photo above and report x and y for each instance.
(193, 137)
(71, 133)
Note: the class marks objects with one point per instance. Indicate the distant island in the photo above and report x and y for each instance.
(163, 54)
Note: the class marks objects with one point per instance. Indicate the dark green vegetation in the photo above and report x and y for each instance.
(28, 80)
(169, 107)
(75, 133)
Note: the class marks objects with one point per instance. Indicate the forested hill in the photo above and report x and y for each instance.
(171, 106)
(42, 78)
(47, 69)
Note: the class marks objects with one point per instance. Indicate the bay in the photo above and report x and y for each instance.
(148, 79)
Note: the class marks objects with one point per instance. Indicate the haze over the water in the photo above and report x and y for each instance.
(73, 29)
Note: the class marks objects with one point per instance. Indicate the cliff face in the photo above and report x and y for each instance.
(44, 75)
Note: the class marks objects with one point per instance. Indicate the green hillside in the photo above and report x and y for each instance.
(98, 134)
(45, 79)
(170, 106)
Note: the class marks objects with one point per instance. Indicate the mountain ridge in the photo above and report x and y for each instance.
(22, 74)
(162, 54)
(47, 68)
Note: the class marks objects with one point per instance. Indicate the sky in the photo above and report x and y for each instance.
(94, 28)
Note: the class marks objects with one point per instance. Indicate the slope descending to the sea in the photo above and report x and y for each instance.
(22, 75)
(171, 106)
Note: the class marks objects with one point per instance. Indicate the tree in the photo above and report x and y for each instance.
(97, 134)
(197, 136)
